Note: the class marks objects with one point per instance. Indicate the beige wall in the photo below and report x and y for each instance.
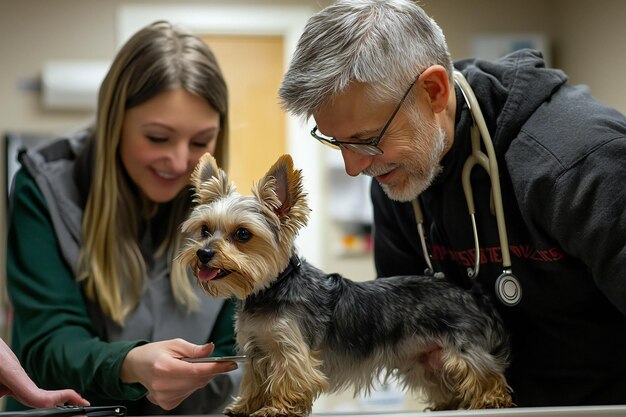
(460, 20)
(590, 41)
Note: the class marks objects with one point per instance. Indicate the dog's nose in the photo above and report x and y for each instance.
(205, 255)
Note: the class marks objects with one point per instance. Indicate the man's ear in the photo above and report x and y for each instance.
(437, 85)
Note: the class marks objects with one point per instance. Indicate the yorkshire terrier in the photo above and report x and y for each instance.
(305, 332)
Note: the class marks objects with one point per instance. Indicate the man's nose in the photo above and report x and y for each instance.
(355, 163)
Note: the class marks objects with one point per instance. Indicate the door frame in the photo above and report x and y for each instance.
(224, 19)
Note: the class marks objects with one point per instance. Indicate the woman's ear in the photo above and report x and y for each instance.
(437, 85)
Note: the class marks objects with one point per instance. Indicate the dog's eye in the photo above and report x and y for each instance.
(205, 231)
(243, 235)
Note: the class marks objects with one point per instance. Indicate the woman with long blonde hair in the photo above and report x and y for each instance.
(101, 306)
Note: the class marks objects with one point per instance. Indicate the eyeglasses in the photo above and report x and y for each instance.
(363, 148)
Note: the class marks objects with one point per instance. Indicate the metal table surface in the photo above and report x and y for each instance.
(585, 411)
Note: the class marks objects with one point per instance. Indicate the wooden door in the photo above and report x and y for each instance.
(253, 69)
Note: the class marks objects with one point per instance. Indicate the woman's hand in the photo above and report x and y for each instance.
(15, 382)
(169, 380)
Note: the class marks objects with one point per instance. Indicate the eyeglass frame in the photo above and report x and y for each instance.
(364, 148)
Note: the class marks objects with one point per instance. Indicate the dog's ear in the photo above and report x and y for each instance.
(209, 180)
(281, 191)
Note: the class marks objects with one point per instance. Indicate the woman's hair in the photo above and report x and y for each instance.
(383, 43)
(158, 58)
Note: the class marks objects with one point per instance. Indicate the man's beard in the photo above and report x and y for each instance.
(421, 165)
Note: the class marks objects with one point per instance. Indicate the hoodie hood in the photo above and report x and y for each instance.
(509, 90)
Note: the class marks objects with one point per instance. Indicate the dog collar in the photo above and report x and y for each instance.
(294, 264)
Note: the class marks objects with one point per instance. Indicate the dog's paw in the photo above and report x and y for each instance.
(236, 411)
(502, 401)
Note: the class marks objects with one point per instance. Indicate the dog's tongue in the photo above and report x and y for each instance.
(207, 274)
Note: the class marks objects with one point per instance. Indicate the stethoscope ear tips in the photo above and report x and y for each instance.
(508, 289)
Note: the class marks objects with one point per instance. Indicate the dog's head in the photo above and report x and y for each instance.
(237, 245)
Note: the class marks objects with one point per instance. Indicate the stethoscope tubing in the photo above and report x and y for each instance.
(489, 163)
(507, 286)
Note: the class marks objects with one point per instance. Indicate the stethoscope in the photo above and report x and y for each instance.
(507, 287)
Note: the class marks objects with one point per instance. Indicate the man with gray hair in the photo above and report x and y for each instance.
(379, 81)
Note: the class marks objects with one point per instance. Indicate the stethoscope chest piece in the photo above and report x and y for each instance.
(508, 289)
